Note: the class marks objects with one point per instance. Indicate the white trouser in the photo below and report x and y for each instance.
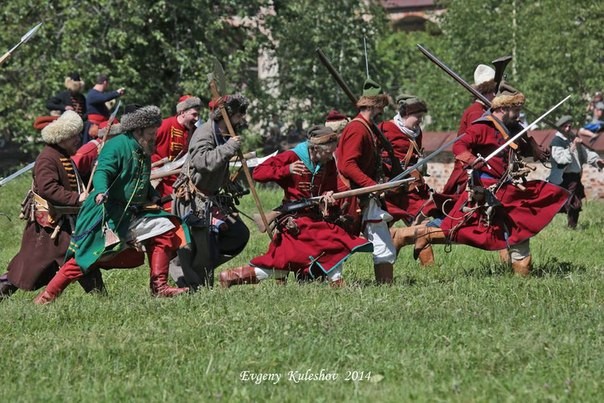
(377, 232)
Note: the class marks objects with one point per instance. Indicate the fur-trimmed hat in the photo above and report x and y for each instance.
(372, 95)
(410, 104)
(74, 83)
(141, 118)
(507, 97)
(319, 134)
(233, 104)
(563, 121)
(68, 125)
(187, 102)
(336, 121)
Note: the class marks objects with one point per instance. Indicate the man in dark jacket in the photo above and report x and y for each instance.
(50, 210)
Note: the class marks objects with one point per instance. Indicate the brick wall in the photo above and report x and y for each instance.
(440, 168)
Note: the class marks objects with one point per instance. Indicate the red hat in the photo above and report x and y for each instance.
(336, 120)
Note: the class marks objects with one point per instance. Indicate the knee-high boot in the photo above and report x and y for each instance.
(67, 274)
(384, 273)
(159, 262)
(425, 236)
(522, 267)
(160, 250)
(240, 275)
(406, 236)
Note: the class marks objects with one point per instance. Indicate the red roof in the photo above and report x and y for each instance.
(433, 140)
(407, 3)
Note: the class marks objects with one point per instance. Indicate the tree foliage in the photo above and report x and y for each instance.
(159, 50)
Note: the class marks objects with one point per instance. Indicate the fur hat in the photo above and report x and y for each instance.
(187, 102)
(74, 83)
(410, 104)
(336, 121)
(507, 97)
(563, 121)
(233, 104)
(319, 134)
(68, 125)
(599, 105)
(141, 118)
(372, 95)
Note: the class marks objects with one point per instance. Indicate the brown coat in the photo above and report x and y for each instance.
(40, 256)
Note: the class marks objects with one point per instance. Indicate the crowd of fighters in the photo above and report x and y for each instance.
(188, 224)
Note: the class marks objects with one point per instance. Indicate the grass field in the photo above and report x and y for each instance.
(466, 330)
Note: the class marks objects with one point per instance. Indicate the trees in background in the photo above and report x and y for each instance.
(159, 50)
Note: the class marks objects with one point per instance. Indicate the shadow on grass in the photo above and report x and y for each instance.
(555, 268)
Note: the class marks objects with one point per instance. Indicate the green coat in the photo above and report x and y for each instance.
(123, 174)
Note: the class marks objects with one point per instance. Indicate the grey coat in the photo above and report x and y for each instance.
(209, 157)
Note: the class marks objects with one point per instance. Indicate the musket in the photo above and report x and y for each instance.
(312, 201)
(109, 124)
(217, 78)
(24, 39)
(300, 204)
(398, 180)
(21, 171)
(499, 66)
(396, 164)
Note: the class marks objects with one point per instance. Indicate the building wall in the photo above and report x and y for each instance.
(440, 170)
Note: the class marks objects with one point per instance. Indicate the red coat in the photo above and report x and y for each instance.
(357, 156)
(456, 183)
(407, 205)
(359, 164)
(316, 243)
(171, 139)
(522, 214)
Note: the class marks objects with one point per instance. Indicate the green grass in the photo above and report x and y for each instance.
(466, 330)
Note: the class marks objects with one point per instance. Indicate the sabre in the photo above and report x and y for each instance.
(24, 39)
(423, 161)
(499, 65)
(504, 145)
(16, 174)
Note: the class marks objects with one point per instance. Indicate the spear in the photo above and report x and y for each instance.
(24, 39)
(217, 86)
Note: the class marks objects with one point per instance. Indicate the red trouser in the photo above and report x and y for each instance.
(128, 258)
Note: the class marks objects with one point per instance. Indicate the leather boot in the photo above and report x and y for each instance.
(426, 236)
(504, 256)
(56, 286)
(159, 261)
(406, 236)
(402, 236)
(426, 256)
(240, 275)
(384, 273)
(522, 267)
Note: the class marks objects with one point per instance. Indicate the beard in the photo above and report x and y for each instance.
(510, 121)
(148, 146)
